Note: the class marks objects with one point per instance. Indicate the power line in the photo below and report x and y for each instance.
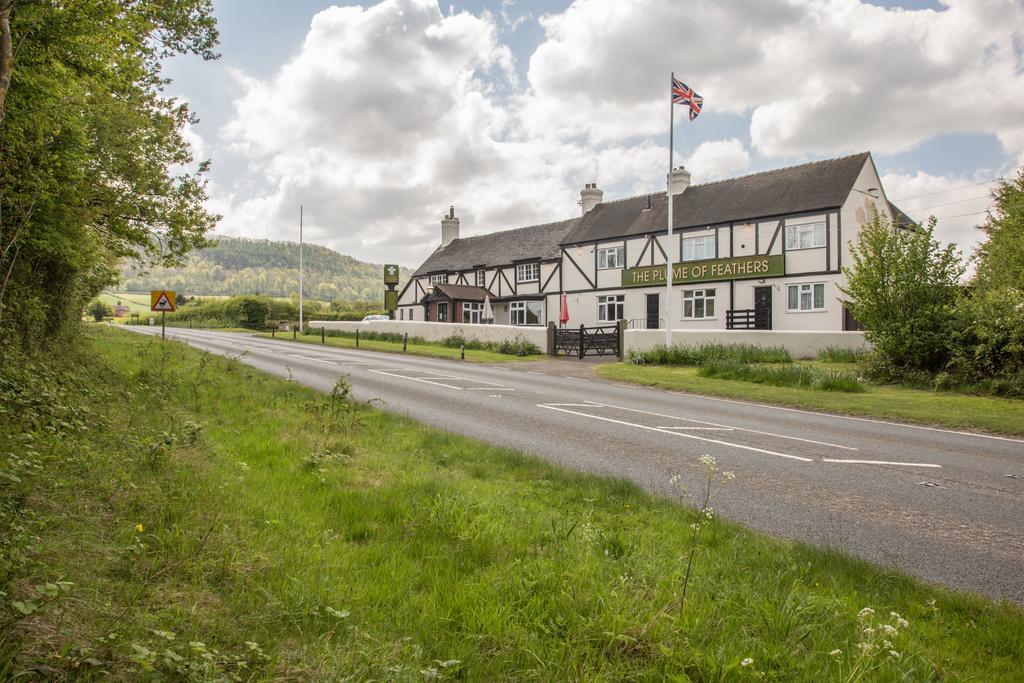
(958, 201)
(951, 189)
(960, 215)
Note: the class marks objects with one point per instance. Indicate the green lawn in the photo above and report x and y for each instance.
(430, 350)
(213, 521)
(136, 303)
(947, 409)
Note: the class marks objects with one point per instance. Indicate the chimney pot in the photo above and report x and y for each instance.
(590, 197)
(679, 180)
(449, 228)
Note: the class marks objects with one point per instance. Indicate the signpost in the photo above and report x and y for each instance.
(162, 300)
(391, 273)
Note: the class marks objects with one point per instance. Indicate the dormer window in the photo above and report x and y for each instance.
(481, 278)
(527, 272)
(443, 278)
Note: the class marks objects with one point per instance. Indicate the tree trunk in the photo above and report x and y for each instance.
(6, 52)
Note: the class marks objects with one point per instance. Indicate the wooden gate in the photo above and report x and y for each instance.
(582, 341)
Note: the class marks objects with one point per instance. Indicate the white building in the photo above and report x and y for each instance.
(762, 251)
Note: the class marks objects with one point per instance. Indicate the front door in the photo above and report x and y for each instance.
(653, 311)
(763, 308)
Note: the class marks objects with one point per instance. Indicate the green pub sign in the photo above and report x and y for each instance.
(390, 300)
(391, 274)
(738, 268)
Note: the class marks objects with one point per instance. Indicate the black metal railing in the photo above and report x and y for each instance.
(748, 319)
(582, 341)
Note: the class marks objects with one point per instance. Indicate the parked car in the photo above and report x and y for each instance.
(368, 318)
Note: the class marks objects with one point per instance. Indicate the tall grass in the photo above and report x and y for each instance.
(680, 354)
(782, 376)
(839, 354)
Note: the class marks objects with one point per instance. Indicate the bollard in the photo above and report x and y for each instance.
(462, 351)
(273, 332)
(582, 332)
(357, 339)
(405, 342)
(323, 336)
(294, 332)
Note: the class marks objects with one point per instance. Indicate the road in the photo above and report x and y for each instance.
(943, 505)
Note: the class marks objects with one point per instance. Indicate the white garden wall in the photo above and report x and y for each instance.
(432, 331)
(800, 343)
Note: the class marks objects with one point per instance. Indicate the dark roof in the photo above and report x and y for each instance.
(497, 248)
(460, 292)
(795, 189)
(901, 218)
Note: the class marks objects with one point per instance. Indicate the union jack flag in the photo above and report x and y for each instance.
(683, 94)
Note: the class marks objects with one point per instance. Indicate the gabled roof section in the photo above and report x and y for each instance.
(459, 292)
(795, 189)
(499, 248)
(901, 218)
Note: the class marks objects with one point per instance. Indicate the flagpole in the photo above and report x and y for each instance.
(668, 194)
(300, 268)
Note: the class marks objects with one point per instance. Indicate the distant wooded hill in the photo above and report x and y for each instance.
(249, 266)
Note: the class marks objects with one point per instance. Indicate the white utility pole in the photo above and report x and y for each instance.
(668, 194)
(300, 268)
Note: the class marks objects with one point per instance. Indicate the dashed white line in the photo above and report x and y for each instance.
(716, 424)
(697, 429)
(315, 360)
(685, 436)
(882, 462)
(417, 379)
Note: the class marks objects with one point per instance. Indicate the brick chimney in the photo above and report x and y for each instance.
(680, 180)
(449, 228)
(590, 196)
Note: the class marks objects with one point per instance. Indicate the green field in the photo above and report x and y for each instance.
(946, 409)
(421, 349)
(168, 513)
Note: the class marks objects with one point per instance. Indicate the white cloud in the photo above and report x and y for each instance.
(718, 159)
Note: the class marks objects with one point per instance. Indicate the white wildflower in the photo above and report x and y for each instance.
(889, 630)
(708, 461)
(902, 623)
(887, 644)
(747, 662)
(674, 480)
(868, 631)
(695, 526)
(864, 646)
(865, 614)
(894, 654)
(709, 513)
(728, 476)
(837, 653)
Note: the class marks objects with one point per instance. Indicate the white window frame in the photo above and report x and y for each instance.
(815, 232)
(809, 289)
(472, 312)
(611, 308)
(693, 296)
(442, 278)
(447, 316)
(518, 309)
(527, 272)
(609, 258)
(705, 241)
(481, 278)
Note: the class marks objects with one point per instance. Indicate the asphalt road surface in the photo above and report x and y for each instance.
(944, 505)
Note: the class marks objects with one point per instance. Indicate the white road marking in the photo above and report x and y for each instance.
(315, 360)
(416, 379)
(698, 429)
(881, 462)
(490, 389)
(847, 417)
(576, 405)
(685, 436)
(716, 424)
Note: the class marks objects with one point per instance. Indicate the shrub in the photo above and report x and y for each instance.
(517, 347)
(679, 354)
(904, 288)
(99, 310)
(784, 376)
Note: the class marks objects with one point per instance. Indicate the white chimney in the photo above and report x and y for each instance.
(449, 228)
(590, 196)
(680, 180)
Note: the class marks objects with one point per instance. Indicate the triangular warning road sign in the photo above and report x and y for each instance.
(162, 303)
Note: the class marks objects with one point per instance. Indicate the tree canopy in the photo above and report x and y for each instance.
(94, 167)
(999, 259)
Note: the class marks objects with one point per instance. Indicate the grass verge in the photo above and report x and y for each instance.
(1002, 415)
(171, 513)
(419, 349)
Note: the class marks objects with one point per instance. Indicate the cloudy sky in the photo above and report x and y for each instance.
(376, 117)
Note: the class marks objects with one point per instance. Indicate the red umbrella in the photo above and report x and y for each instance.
(563, 314)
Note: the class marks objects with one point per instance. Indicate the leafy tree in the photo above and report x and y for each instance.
(999, 259)
(92, 156)
(99, 310)
(904, 288)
